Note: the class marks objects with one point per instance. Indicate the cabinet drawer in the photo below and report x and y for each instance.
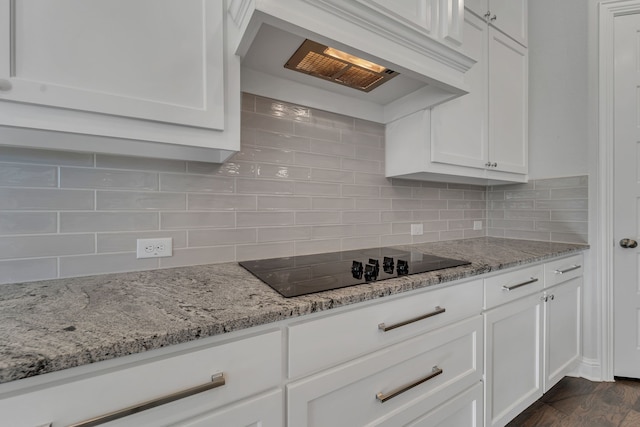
(513, 285)
(87, 396)
(353, 394)
(562, 270)
(324, 342)
(464, 410)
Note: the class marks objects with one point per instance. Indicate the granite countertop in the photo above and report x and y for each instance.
(52, 325)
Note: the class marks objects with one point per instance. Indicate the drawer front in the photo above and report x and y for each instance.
(563, 270)
(427, 368)
(76, 401)
(324, 342)
(464, 410)
(510, 286)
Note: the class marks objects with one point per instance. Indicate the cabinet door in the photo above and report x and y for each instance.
(513, 360)
(419, 13)
(562, 330)
(510, 17)
(479, 7)
(459, 127)
(159, 60)
(508, 91)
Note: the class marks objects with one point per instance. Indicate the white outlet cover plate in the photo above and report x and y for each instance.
(154, 248)
(477, 225)
(417, 230)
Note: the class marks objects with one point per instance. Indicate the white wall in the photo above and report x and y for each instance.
(558, 98)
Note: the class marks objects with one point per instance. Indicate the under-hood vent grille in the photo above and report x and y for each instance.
(339, 67)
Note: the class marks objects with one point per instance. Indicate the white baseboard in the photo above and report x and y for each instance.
(590, 369)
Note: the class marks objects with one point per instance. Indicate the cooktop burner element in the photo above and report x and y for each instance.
(307, 274)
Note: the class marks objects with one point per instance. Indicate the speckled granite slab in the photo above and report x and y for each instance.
(57, 324)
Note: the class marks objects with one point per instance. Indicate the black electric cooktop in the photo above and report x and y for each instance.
(307, 274)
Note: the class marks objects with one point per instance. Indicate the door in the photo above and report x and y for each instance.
(626, 195)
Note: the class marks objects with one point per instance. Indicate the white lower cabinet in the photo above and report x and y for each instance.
(532, 341)
(414, 375)
(85, 396)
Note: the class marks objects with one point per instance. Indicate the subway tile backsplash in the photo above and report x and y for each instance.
(306, 181)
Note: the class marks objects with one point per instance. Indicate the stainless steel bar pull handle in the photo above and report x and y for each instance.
(384, 328)
(512, 287)
(217, 380)
(384, 397)
(573, 267)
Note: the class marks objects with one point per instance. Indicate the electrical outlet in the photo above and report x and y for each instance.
(155, 248)
(477, 225)
(417, 230)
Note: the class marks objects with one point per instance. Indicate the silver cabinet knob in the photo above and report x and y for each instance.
(5, 85)
(628, 243)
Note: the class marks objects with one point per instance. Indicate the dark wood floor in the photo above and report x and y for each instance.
(582, 403)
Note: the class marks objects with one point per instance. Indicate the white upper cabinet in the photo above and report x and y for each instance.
(481, 137)
(509, 16)
(150, 70)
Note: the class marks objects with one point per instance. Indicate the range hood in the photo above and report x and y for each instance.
(423, 68)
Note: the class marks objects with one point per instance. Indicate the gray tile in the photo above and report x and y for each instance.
(396, 192)
(221, 202)
(475, 214)
(570, 193)
(562, 227)
(372, 229)
(264, 250)
(333, 148)
(327, 175)
(74, 222)
(196, 183)
(27, 270)
(187, 220)
(222, 237)
(317, 188)
(308, 247)
(427, 193)
(324, 231)
(85, 265)
(373, 204)
(28, 222)
(259, 219)
(355, 217)
(461, 223)
(358, 165)
(432, 215)
(512, 224)
(466, 204)
(265, 154)
(451, 235)
(46, 245)
(283, 141)
(396, 216)
(264, 186)
(45, 199)
(283, 172)
(527, 235)
(230, 168)
(444, 204)
(317, 217)
(45, 157)
(361, 191)
(333, 203)
(138, 200)
(248, 102)
(569, 237)
(569, 215)
(396, 239)
(526, 214)
(284, 203)
(326, 118)
(526, 194)
(103, 178)
(451, 194)
(406, 204)
(361, 138)
(282, 110)
(264, 122)
(280, 234)
(316, 131)
(126, 242)
(317, 160)
(515, 204)
(378, 179)
(433, 236)
(139, 163)
(349, 243)
(448, 214)
(195, 256)
(562, 204)
(367, 126)
(20, 175)
(369, 153)
(572, 181)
